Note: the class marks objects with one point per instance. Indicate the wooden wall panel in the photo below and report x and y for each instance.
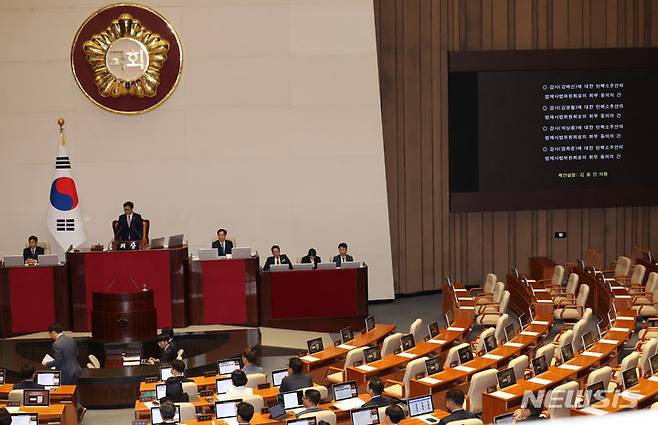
(413, 39)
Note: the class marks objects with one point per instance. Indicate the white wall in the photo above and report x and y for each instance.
(274, 131)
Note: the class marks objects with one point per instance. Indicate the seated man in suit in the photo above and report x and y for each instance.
(393, 415)
(455, 405)
(295, 379)
(311, 400)
(277, 258)
(239, 388)
(174, 383)
(27, 375)
(32, 252)
(249, 359)
(168, 412)
(223, 246)
(130, 226)
(5, 417)
(342, 254)
(375, 389)
(312, 257)
(168, 347)
(245, 413)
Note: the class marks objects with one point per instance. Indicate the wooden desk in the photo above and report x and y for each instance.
(438, 413)
(61, 413)
(333, 299)
(165, 271)
(458, 301)
(208, 383)
(62, 394)
(601, 296)
(447, 337)
(647, 388)
(534, 294)
(20, 311)
(230, 284)
(510, 398)
(541, 268)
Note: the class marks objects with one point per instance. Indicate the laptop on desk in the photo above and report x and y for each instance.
(422, 408)
(13, 260)
(279, 268)
(350, 265)
(346, 396)
(366, 416)
(24, 419)
(227, 411)
(208, 254)
(48, 260)
(277, 376)
(241, 253)
(157, 243)
(322, 266)
(302, 266)
(227, 366)
(291, 400)
(175, 241)
(48, 378)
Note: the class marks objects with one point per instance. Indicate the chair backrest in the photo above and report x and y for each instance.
(187, 411)
(354, 356)
(499, 331)
(499, 288)
(623, 266)
(146, 227)
(416, 329)
(579, 330)
(480, 382)
(572, 284)
(485, 333)
(453, 355)
(652, 282)
(255, 400)
(94, 361)
(413, 369)
(587, 316)
(558, 275)
(504, 302)
(559, 399)
(548, 351)
(321, 415)
(629, 362)
(489, 283)
(601, 374)
(648, 349)
(391, 343)
(563, 340)
(256, 379)
(583, 293)
(638, 274)
(191, 390)
(519, 364)
(324, 392)
(16, 395)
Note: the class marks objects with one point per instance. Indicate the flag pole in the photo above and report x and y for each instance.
(60, 122)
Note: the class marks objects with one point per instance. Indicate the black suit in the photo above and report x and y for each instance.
(228, 247)
(170, 353)
(338, 261)
(28, 384)
(134, 232)
(306, 259)
(381, 401)
(28, 255)
(283, 259)
(295, 382)
(65, 353)
(458, 415)
(175, 391)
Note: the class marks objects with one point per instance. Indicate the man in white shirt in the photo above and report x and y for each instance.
(239, 389)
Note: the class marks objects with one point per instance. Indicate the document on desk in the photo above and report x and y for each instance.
(407, 355)
(349, 404)
(593, 411)
(592, 354)
(653, 379)
(539, 322)
(366, 368)
(631, 396)
(545, 301)
(437, 341)
(529, 333)
(309, 359)
(431, 381)
(623, 318)
(464, 368)
(570, 366)
(539, 290)
(618, 329)
(502, 394)
(540, 381)
(346, 347)
(455, 329)
(465, 298)
(492, 356)
(513, 344)
(608, 341)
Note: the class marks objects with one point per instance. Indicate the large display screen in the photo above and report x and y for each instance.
(553, 129)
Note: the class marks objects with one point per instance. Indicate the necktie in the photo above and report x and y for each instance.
(277, 260)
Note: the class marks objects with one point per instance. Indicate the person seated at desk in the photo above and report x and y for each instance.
(239, 388)
(174, 384)
(5, 417)
(32, 252)
(277, 258)
(27, 379)
(130, 226)
(168, 412)
(296, 379)
(311, 400)
(167, 345)
(245, 413)
(393, 415)
(376, 390)
(342, 256)
(455, 405)
(312, 257)
(223, 245)
(249, 357)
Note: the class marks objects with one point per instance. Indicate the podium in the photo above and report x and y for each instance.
(123, 317)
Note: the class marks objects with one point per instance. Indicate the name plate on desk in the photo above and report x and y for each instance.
(127, 245)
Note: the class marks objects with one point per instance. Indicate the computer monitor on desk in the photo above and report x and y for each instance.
(13, 260)
(48, 378)
(279, 267)
(350, 265)
(207, 254)
(324, 266)
(48, 260)
(24, 419)
(241, 253)
(175, 241)
(157, 243)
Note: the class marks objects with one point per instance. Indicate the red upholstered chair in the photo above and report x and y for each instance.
(145, 230)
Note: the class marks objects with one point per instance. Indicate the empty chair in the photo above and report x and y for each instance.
(400, 389)
(648, 350)
(636, 279)
(488, 314)
(16, 395)
(603, 374)
(579, 329)
(324, 392)
(256, 379)
(480, 383)
(519, 364)
(556, 279)
(562, 340)
(587, 316)
(646, 303)
(191, 390)
(494, 297)
(479, 343)
(499, 330)
(321, 415)
(391, 343)
(548, 351)
(568, 291)
(255, 400)
(452, 357)
(629, 362)
(487, 287)
(187, 411)
(622, 266)
(573, 309)
(416, 329)
(337, 375)
(650, 330)
(562, 399)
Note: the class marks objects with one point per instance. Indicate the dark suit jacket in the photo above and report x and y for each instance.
(381, 401)
(458, 415)
(228, 245)
(270, 261)
(175, 389)
(65, 353)
(295, 382)
(170, 353)
(337, 259)
(27, 253)
(134, 232)
(28, 385)
(307, 259)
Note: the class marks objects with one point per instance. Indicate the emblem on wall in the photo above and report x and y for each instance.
(126, 58)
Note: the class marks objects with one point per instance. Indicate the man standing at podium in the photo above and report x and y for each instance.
(223, 246)
(32, 252)
(130, 226)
